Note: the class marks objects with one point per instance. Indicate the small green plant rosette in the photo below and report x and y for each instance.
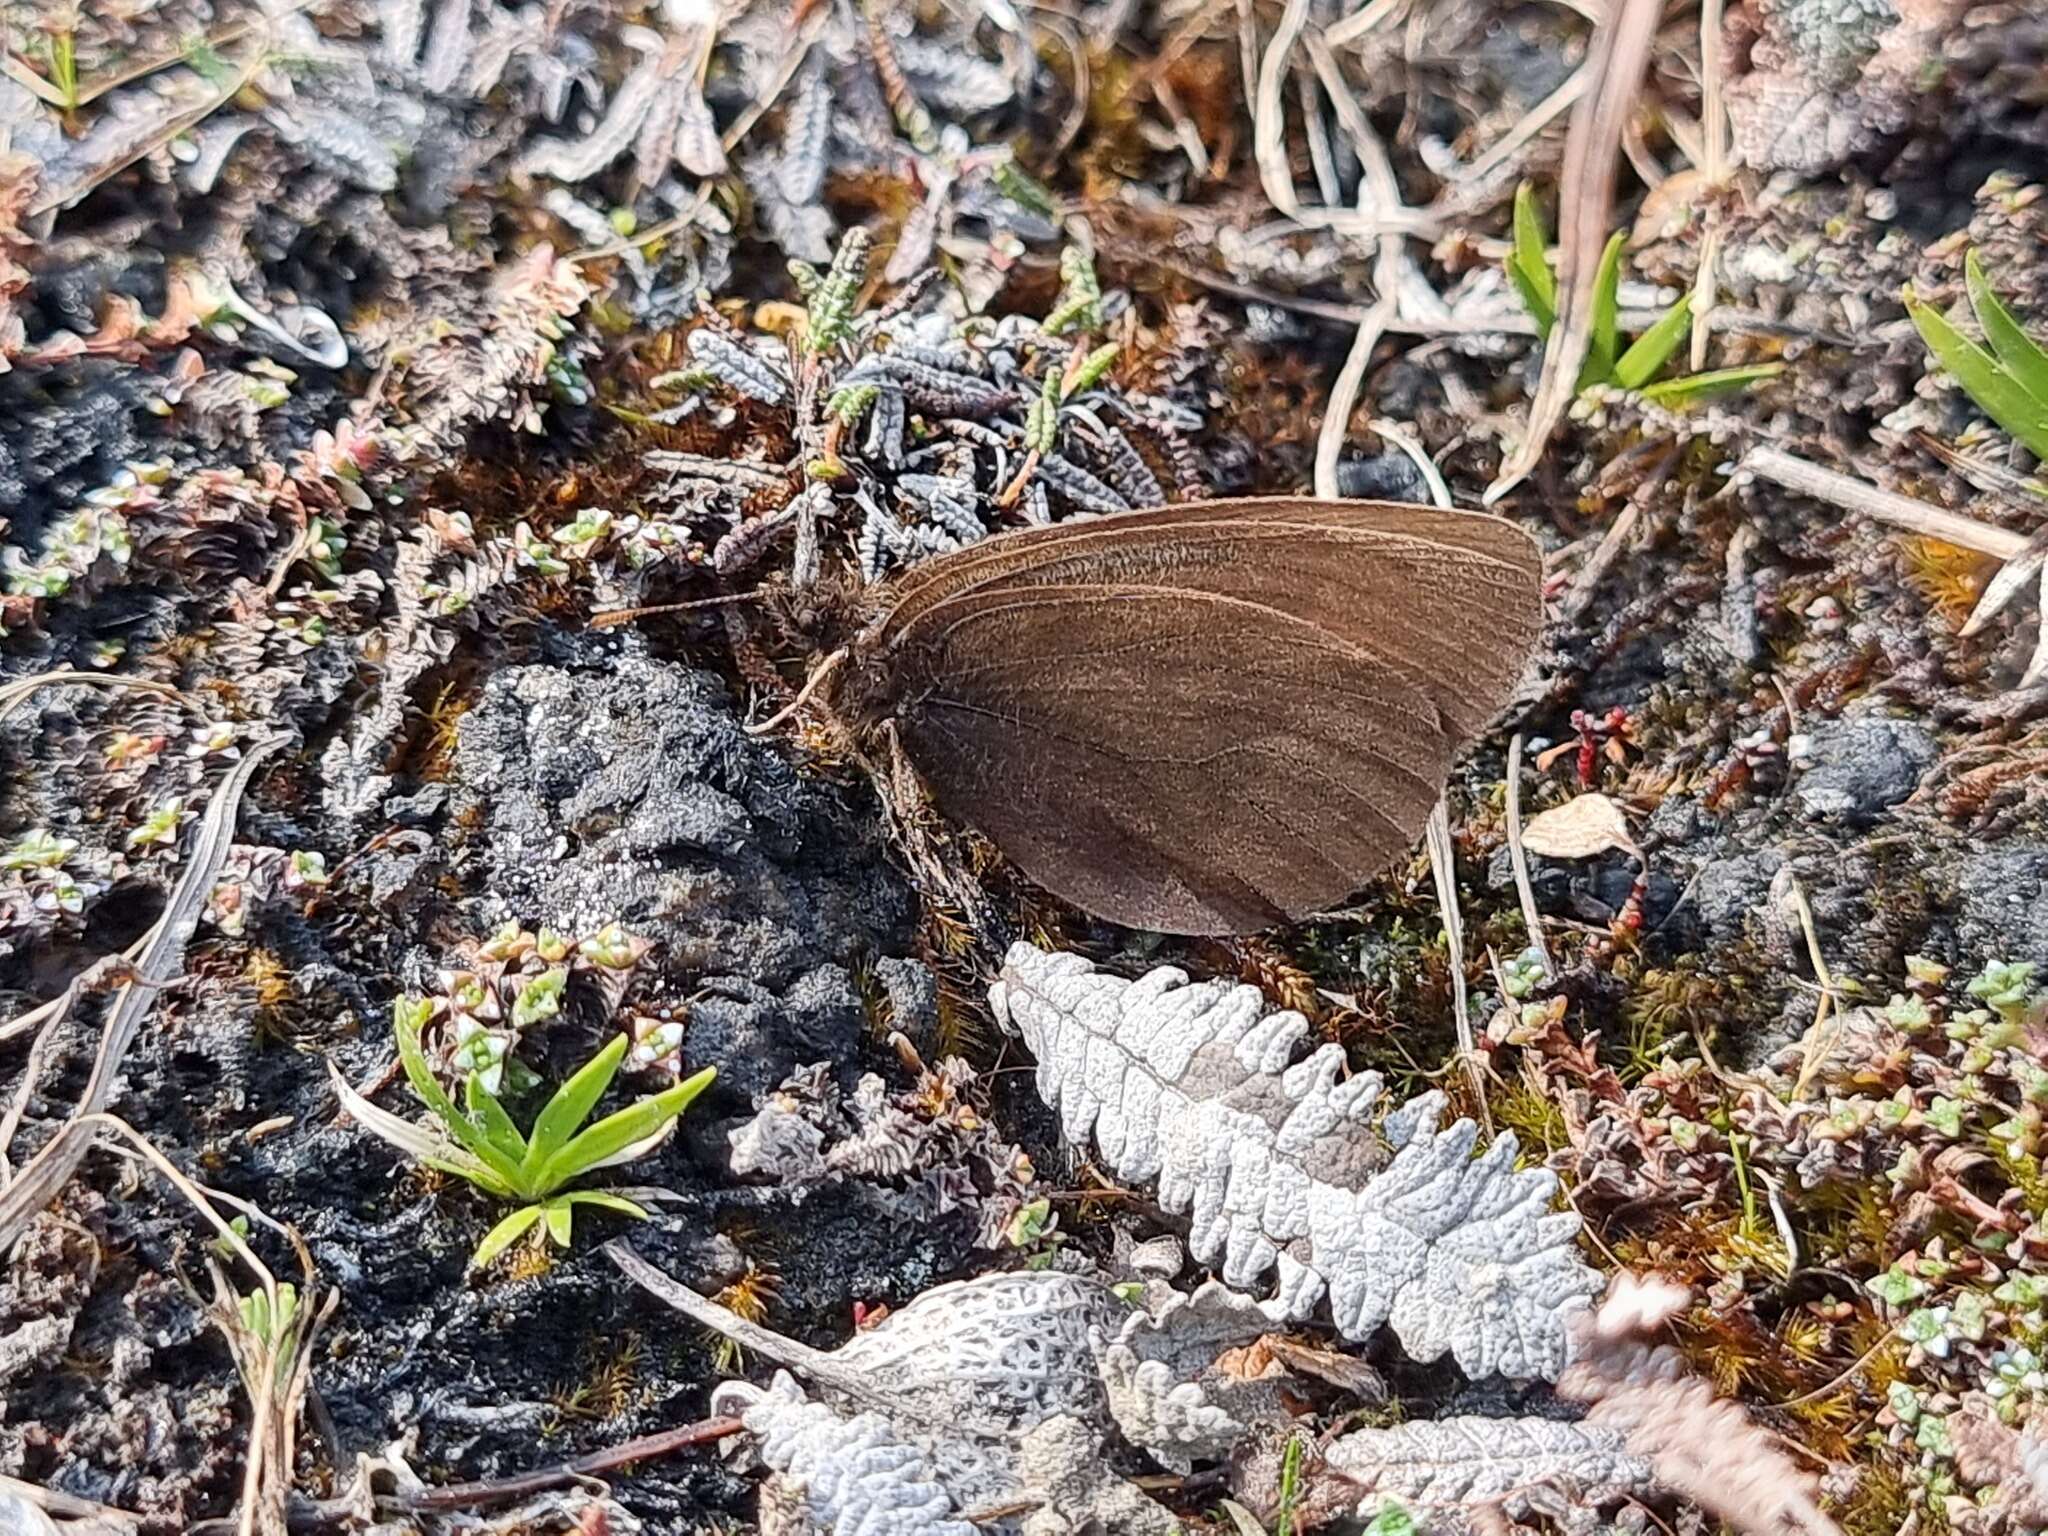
(256, 1312)
(483, 1145)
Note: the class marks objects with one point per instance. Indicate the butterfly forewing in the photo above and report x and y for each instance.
(1208, 718)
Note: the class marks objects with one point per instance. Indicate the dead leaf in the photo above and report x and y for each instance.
(1347, 1373)
(1579, 829)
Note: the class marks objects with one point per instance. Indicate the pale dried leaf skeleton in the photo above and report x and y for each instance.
(1285, 1171)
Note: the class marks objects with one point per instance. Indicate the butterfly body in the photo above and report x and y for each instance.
(1206, 718)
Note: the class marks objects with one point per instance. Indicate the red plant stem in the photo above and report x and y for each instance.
(646, 1448)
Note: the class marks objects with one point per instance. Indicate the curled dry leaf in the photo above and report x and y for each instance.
(1697, 1444)
(1579, 829)
(987, 1393)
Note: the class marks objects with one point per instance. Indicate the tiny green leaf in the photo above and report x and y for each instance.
(435, 1097)
(567, 1110)
(1080, 305)
(1606, 342)
(1092, 368)
(1717, 381)
(2023, 357)
(487, 1112)
(504, 1235)
(831, 301)
(1997, 393)
(1015, 183)
(1649, 352)
(618, 1131)
(605, 1200)
(1041, 420)
(851, 403)
(561, 1215)
(1528, 263)
(1545, 318)
(1290, 1487)
(540, 999)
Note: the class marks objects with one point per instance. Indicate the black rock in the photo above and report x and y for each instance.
(913, 1001)
(1857, 768)
(630, 793)
(1727, 891)
(758, 1038)
(2002, 904)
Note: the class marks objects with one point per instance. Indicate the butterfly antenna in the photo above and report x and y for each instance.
(606, 618)
(823, 670)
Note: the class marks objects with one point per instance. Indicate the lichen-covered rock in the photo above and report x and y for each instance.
(1282, 1169)
(1828, 79)
(625, 790)
(2001, 898)
(1854, 769)
(632, 791)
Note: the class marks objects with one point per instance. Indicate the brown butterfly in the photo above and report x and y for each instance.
(1203, 719)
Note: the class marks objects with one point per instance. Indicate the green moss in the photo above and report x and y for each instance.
(1534, 1117)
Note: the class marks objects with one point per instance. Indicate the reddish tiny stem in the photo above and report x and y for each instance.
(645, 1448)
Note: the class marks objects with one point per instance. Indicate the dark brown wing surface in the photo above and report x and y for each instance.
(1208, 718)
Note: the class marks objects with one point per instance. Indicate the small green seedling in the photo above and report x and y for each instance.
(2009, 381)
(1607, 362)
(483, 1146)
(272, 1331)
(832, 299)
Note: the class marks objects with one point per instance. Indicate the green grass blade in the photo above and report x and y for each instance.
(2025, 362)
(1649, 352)
(1606, 342)
(1528, 262)
(1719, 381)
(487, 1112)
(1532, 300)
(435, 1097)
(568, 1109)
(616, 1132)
(504, 1235)
(1997, 393)
(561, 1222)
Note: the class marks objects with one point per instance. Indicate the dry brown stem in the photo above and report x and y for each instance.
(1621, 54)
